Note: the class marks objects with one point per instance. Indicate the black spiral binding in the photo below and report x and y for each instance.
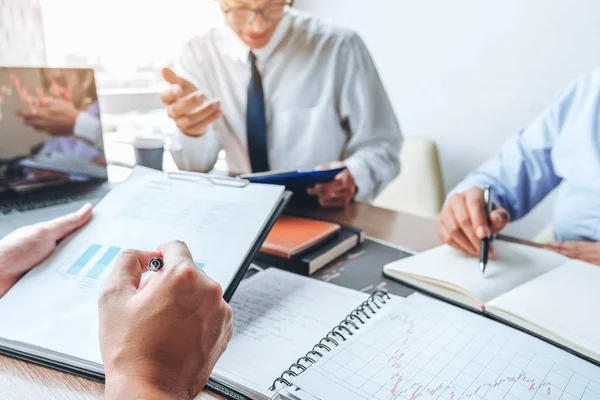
(338, 334)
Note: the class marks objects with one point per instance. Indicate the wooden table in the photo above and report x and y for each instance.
(22, 381)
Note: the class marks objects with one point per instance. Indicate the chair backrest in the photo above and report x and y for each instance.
(419, 189)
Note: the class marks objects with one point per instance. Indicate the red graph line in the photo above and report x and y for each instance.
(417, 389)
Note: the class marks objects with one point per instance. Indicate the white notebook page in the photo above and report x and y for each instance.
(511, 265)
(278, 318)
(425, 349)
(562, 303)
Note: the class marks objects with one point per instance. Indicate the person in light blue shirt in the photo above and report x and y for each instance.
(560, 149)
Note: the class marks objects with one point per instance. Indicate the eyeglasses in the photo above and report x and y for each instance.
(243, 16)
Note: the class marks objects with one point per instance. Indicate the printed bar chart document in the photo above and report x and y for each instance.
(52, 311)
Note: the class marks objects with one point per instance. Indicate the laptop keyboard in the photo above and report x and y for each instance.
(48, 200)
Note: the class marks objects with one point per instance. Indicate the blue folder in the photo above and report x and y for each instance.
(294, 180)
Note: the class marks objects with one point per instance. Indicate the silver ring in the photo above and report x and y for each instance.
(155, 264)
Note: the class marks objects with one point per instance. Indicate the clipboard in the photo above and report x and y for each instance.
(209, 178)
(236, 183)
(92, 372)
(294, 179)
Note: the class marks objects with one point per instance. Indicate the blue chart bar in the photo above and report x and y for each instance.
(104, 262)
(84, 259)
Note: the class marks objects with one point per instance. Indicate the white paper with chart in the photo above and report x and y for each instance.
(421, 348)
(54, 307)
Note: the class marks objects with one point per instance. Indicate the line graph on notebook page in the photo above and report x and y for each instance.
(424, 349)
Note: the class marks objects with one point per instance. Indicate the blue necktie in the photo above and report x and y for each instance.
(256, 121)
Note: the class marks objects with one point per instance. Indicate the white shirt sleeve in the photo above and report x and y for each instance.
(373, 151)
(190, 153)
(198, 154)
(88, 127)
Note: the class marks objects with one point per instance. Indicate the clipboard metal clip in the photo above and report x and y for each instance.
(214, 179)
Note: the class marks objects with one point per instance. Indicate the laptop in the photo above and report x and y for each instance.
(48, 166)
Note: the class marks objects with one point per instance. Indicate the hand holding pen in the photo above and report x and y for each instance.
(463, 224)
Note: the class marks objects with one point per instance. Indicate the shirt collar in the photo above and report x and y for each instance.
(240, 51)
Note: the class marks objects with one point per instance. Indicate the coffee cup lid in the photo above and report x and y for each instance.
(148, 142)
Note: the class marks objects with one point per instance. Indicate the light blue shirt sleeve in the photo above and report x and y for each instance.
(522, 173)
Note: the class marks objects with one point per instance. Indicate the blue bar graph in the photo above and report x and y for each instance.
(84, 259)
(104, 262)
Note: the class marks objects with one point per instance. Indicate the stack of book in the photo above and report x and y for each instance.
(304, 246)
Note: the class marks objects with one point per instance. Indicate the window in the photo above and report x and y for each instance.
(126, 41)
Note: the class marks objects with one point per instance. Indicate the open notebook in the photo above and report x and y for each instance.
(535, 289)
(336, 343)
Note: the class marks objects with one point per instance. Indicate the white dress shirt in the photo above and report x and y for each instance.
(324, 102)
(88, 126)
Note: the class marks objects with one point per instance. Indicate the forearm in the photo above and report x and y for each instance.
(521, 175)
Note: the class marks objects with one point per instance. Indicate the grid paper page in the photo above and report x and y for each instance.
(425, 349)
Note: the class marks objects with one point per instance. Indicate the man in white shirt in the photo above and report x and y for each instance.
(278, 89)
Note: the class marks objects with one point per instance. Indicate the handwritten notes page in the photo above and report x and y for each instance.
(425, 349)
(278, 318)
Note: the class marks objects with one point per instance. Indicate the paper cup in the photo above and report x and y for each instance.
(149, 151)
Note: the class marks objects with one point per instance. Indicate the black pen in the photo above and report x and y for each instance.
(484, 249)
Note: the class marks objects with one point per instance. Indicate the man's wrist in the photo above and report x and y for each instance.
(136, 388)
(6, 283)
(195, 134)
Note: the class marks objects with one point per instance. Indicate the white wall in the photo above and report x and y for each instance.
(469, 73)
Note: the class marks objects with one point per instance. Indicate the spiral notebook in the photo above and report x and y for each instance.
(422, 348)
(277, 315)
(301, 339)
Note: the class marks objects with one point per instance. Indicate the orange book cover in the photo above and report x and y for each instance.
(292, 235)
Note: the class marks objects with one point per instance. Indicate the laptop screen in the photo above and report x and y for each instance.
(50, 129)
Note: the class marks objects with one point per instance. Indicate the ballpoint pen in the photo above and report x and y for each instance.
(484, 249)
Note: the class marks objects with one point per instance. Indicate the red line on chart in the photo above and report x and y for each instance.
(332, 276)
(417, 389)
